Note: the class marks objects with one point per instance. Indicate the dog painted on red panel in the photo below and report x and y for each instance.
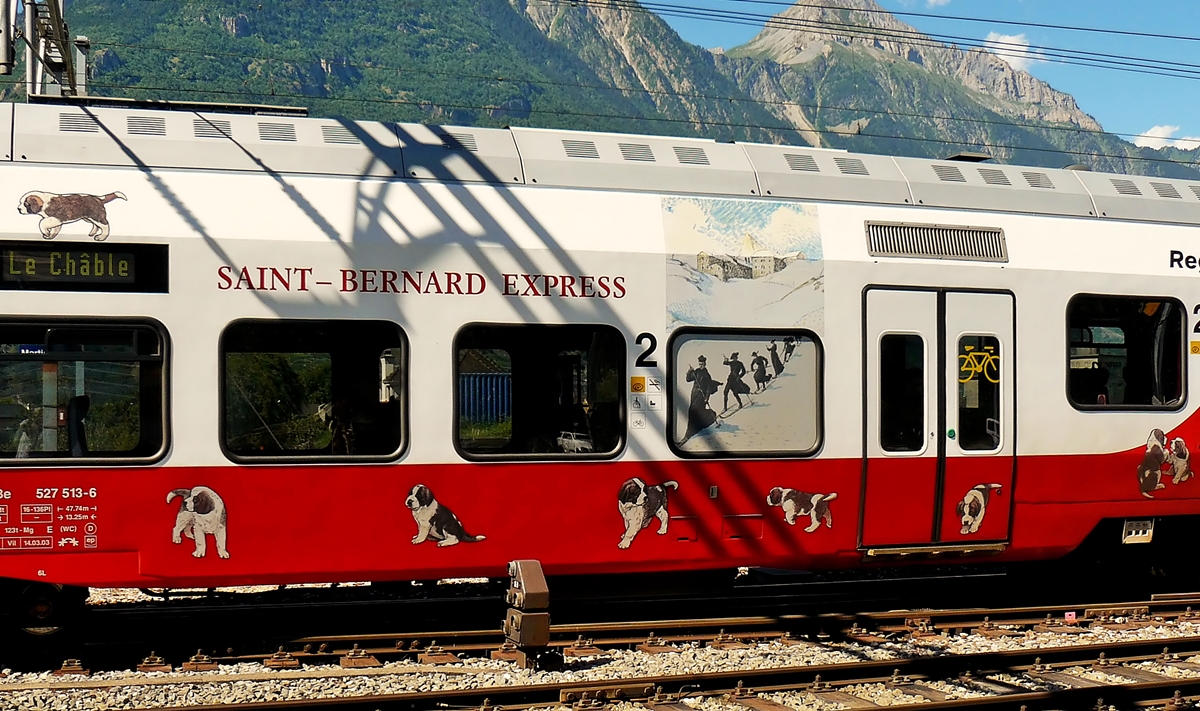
(58, 210)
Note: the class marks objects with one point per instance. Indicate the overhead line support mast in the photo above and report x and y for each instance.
(54, 64)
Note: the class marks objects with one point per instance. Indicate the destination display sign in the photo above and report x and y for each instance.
(95, 266)
(34, 266)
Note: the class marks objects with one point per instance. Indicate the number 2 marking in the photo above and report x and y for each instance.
(644, 361)
(1195, 311)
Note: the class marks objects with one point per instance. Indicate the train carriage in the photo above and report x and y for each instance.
(239, 348)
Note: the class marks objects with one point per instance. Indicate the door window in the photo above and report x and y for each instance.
(978, 393)
(902, 392)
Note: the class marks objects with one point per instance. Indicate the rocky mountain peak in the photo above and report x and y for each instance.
(806, 31)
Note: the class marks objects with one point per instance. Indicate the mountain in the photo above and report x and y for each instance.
(845, 75)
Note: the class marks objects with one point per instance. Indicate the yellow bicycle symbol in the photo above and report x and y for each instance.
(974, 362)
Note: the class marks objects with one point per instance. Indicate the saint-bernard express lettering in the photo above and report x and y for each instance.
(419, 281)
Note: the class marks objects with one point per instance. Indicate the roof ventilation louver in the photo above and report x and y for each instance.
(801, 161)
(994, 176)
(691, 156)
(276, 132)
(949, 173)
(1195, 190)
(339, 135)
(460, 142)
(636, 151)
(211, 128)
(936, 242)
(851, 166)
(1125, 187)
(580, 149)
(146, 125)
(1166, 190)
(78, 123)
(1038, 180)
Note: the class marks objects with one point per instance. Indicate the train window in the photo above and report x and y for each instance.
(81, 390)
(979, 393)
(901, 392)
(745, 393)
(313, 390)
(1125, 352)
(539, 390)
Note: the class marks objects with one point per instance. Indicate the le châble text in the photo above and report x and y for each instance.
(403, 281)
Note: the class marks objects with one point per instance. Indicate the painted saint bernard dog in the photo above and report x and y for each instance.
(435, 522)
(201, 512)
(58, 210)
(973, 507)
(639, 504)
(1149, 472)
(801, 503)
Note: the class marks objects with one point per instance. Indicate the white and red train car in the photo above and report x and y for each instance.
(242, 348)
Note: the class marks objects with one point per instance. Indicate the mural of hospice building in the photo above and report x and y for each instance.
(754, 261)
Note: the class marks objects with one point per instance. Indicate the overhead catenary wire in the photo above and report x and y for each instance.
(1102, 60)
(1047, 126)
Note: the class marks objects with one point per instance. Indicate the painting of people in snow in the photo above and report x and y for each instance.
(737, 262)
(721, 405)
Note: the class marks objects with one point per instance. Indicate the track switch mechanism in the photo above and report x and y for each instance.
(527, 622)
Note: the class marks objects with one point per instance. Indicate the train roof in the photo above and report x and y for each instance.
(201, 140)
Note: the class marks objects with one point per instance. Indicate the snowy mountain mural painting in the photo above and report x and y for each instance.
(743, 262)
(754, 267)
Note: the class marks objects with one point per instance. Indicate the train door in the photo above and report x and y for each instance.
(939, 446)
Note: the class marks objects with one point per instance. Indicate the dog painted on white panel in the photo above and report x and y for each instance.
(801, 503)
(201, 513)
(435, 522)
(58, 210)
(639, 504)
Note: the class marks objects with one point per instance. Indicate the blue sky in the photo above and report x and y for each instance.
(1123, 102)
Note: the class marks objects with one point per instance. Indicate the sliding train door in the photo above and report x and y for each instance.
(939, 400)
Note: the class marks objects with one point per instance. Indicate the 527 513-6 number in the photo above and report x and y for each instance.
(66, 493)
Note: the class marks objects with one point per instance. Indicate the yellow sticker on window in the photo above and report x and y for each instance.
(1195, 347)
(637, 383)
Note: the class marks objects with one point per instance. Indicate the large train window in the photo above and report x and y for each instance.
(85, 389)
(1125, 352)
(312, 390)
(745, 393)
(539, 390)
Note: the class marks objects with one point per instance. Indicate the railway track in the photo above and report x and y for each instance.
(1001, 658)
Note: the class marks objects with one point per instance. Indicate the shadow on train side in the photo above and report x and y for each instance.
(372, 211)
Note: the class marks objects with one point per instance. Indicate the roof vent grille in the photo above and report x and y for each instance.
(460, 142)
(851, 166)
(1125, 187)
(78, 123)
(340, 135)
(146, 125)
(1166, 190)
(691, 156)
(801, 161)
(636, 151)
(211, 128)
(581, 149)
(1195, 190)
(276, 132)
(949, 174)
(975, 244)
(1038, 180)
(994, 176)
